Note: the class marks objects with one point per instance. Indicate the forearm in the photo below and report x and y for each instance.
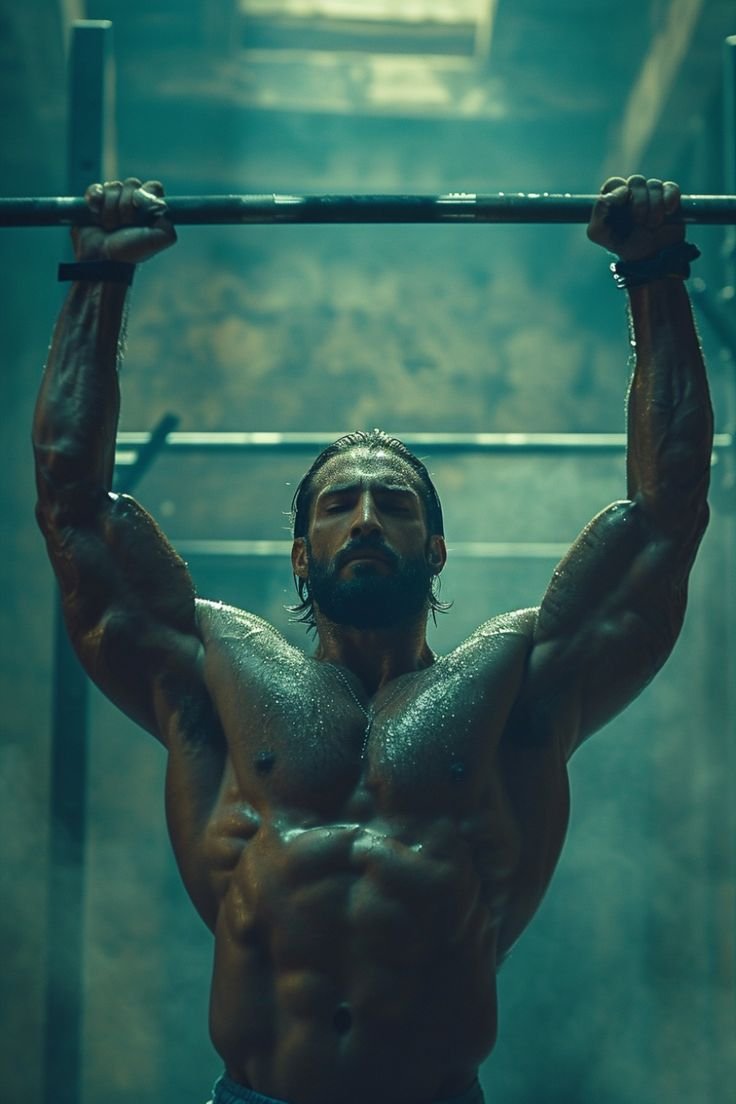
(76, 414)
(670, 420)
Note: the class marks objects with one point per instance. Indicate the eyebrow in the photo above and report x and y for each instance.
(380, 486)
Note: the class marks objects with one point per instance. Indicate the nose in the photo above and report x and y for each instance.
(365, 521)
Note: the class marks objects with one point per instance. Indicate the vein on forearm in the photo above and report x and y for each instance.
(670, 420)
(77, 410)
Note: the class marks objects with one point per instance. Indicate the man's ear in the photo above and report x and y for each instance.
(437, 553)
(299, 559)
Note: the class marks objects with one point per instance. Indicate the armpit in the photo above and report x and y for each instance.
(218, 621)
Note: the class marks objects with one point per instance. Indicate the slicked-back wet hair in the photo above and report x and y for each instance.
(375, 440)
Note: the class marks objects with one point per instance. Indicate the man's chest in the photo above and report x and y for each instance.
(304, 736)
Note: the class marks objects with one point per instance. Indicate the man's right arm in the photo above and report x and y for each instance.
(128, 598)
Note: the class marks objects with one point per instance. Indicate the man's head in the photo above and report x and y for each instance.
(368, 534)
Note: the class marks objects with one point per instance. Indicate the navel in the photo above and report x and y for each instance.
(342, 1021)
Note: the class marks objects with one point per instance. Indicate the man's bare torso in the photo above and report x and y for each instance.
(361, 894)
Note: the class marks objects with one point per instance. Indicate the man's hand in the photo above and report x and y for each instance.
(629, 218)
(130, 223)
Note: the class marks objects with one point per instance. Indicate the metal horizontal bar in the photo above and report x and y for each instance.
(438, 443)
(512, 207)
(466, 550)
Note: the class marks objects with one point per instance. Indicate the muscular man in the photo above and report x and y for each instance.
(366, 831)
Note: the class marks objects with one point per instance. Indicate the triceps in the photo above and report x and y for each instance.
(128, 600)
(611, 615)
(594, 567)
(149, 567)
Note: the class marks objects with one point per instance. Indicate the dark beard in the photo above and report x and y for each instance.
(371, 599)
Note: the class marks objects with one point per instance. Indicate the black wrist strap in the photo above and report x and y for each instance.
(114, 272)
(673, 262)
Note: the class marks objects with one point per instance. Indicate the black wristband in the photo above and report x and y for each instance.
(673, 262)
(114, 272)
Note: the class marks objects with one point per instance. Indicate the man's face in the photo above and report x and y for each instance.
(367, 556)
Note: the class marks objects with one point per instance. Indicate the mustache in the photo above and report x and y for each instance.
(367, 545)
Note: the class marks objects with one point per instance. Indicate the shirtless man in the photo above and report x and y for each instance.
(367, 831)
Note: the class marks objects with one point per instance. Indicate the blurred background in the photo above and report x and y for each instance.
(623, 987)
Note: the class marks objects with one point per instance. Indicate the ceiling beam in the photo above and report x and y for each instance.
(420, 11)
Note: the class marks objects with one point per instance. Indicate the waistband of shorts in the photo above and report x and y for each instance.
(227, 1091)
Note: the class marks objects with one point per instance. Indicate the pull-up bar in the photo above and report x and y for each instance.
(514, 207)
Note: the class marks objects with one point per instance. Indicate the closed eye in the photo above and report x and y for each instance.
(397, 502)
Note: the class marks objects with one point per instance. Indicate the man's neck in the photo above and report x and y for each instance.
(375, 656)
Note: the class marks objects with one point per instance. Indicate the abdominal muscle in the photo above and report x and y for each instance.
(355, 962)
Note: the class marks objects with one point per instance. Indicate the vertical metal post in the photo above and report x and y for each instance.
(90, 94)
(726, 831)
(729, 151)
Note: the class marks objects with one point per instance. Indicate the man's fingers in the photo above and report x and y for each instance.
(154, 188)
(120, 203)
(619, 197)
(657, 212)
(612, 184)
(639, 199)
(613, 198)
(108, 211)
(671, 197)
(151, 197)
(130, 222)
(94, 197)
(149, 207)
(633, 217)
(127, 203)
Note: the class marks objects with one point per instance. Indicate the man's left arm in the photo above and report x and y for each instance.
(616, 603)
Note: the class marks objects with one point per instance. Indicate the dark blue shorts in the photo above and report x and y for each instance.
(226, 1091)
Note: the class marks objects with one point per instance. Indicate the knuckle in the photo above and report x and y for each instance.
(671, 192)
(612, 183)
